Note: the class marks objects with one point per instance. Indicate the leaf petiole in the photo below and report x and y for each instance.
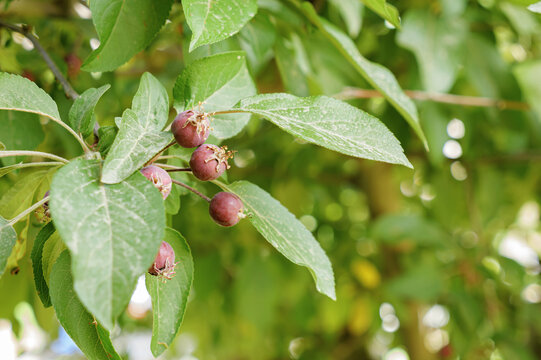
(8, 153)
(32, 164)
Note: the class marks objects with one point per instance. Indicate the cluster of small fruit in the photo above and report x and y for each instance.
(208, 162)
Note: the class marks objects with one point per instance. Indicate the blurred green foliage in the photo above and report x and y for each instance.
(409, 238)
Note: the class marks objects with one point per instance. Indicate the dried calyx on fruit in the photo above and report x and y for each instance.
(208, 162)
(191, 128)
(43, 213)
(226, 209)
(160, 178)
(164, 264)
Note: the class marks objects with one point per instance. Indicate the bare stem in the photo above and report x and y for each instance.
(17, 218)
(27, 32)
(68, 89)
(354, 93)
(8, 153)
(201, 195)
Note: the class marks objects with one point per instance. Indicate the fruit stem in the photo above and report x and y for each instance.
(168, 167)
(7, 153)
(155, 157)
(178, 169)
(226, 112)
(28, 211)
(201, 195)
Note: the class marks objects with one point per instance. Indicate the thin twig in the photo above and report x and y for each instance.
(354, 93)
(155, 157)
(8, 153)
(201, 195)
(28, 211)
(27, 32)
(68, 89)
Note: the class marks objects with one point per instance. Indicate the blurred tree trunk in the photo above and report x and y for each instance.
(384, 197)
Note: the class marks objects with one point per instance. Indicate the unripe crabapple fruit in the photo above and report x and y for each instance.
(164, 264)
(191, 128)
(226, 209)
(43, 214)
(208, 162)
(160, 178)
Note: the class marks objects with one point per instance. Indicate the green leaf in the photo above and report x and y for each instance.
(292, 64)
(437, 43)
(215, 20)
(8, 236)
(19, 197)
(257, 39)
(21, 94)
(525, 23)
(172, 203)
(330, 123)
(124, 27)
(134, 145)
(377, 75)
(287, 234)
(169, 297)
(37, 264)
(19, 131)
(112, 231)
(81, 115)
(386, 11)
(7, 169)
(352, 13)
(219, 82)
(151, 102)
(107, 136)
(80, 325)
(527, 75)
(139, 137)
(51, 251)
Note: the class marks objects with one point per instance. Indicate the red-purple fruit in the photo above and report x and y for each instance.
(191, 128)
(208, 162)
(226, 209)
(164, 264)
(160, 178)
